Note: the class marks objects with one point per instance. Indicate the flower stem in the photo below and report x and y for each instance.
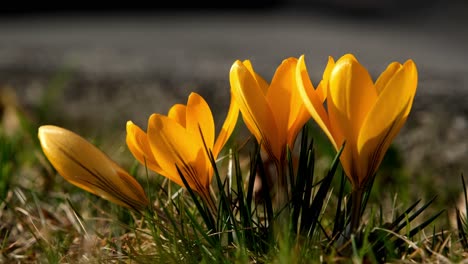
(281, 205)
(282, 191)
(356, 207)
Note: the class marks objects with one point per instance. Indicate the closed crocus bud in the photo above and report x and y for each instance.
(366, 114)
(84, 165)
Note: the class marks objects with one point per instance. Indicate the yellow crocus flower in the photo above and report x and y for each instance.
(274, 113)
(365, 114)
(177, 142)
(87, 167)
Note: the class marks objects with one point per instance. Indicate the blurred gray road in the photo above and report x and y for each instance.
(203, 45)
(129, 66)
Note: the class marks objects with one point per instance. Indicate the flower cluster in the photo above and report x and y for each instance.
(347, 105)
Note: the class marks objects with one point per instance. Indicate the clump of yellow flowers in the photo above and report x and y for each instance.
(349, 107)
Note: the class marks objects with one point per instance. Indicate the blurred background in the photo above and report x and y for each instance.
(127, 55)
(91, 69)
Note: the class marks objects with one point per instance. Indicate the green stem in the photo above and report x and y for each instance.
(282, 191)
(281, 207)
(356, 207)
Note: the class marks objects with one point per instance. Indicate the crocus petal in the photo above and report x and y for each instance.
(254, 108)
(386, 75)
(410, 66)
(85, 166)
(227, 128)
(386, 118)
(349, 153)
(279, 98)
(175, 147)
(296, 124)
(312, 101)
(178, 112)
(322, 88)
(298, 114)
(137, 142)
(247, 120)
(352, 94)
(200, 120)
(260, 81)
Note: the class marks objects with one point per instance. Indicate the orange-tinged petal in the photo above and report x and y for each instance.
(312, 101)
(349, 56)
(386, 118)
(348, 155)
(247, 120)
(322, 88)
(352, 94)
(200, 119)
(87, 167)
(138, 144)
(410, 66)
(227, 128)
(298, 114)
(175, 147)
(394, 101)
(178, 112)
(279, 98)
(296, 102)
(254, 108)
(301, 117)
(260, 81)
(386, 75)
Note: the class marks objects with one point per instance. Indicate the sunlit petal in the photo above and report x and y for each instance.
(227, 128)
(386, 76)
(138, 144)
(387, 117)
(298, 113)
(279, 97)
(296, 124)
(254, 108)
(87, 167)
(394, 100)
(248, 121)
(259, 79)
(322, 88)
(200, 119)
(311, 100)
(175, 147)
(412, 77)
(178, 113)
(352, 94)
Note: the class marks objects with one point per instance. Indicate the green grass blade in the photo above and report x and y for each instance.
(461, 230)
(298, 186)
(420, 227)
(402, 216)
(415, 214)
(309, 182)
(207, 217)
(318, 201)
(339, 216)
